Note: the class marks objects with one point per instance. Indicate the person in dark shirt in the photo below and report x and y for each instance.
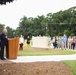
(28, 41)
(73, 43)
(3, 40)
(55, 43)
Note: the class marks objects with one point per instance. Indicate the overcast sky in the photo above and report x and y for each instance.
(11, 14)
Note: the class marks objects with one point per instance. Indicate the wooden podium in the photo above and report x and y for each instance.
(13, 45)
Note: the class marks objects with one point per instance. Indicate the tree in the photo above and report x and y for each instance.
(5, 1)
(1, 27)
(55, 24)
(10, 32)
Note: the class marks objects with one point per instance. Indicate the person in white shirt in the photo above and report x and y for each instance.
(21, 42)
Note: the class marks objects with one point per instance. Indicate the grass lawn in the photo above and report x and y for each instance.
(71, 64)
(29, 52)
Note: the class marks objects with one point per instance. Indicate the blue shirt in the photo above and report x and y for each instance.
(64, 38)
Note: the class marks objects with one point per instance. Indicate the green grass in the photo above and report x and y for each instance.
(29, 52)
(71, 64)
(44, 52)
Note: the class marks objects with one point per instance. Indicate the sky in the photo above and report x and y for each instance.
(11, 13)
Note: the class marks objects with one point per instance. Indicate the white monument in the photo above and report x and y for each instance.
(40, 42)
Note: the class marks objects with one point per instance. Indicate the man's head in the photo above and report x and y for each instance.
(4, 31)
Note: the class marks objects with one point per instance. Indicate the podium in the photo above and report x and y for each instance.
(12, 51)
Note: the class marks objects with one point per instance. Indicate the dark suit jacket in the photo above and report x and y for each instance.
(3, 39)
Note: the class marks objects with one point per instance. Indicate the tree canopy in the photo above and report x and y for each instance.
(1, 27)
(56, 24)
(53, 24)
(5, 1)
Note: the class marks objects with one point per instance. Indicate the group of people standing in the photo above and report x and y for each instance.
(61, 42)
(64, 42)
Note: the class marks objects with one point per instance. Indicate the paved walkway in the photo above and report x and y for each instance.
(44, 58)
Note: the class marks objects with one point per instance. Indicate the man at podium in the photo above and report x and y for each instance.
(3, 43)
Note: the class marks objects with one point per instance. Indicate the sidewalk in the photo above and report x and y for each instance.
(44, 58)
